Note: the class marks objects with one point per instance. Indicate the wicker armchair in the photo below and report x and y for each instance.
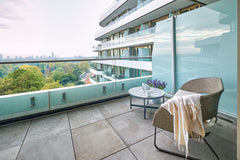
(212, 88)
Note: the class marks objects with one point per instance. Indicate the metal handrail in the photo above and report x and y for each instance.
(72, 59)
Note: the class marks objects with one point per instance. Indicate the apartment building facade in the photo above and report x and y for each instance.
(128, 33)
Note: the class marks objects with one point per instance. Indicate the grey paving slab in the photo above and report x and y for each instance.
(126, 101)
(10, 153)
(113, 108)
(145, 150)
(226, 130)
(224, 148)
(196, 149)
(55, 147)
(47, 126)
(84, 116)
(96, 141)
(13, 135)
(132, 127)
(121, 155)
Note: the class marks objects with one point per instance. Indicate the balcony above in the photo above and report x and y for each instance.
(96, 72)
(96, 48)
(116, 9)
(143, 65)
(151, 11)
(143, 37)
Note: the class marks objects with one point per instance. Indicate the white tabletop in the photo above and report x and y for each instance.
(138, 92)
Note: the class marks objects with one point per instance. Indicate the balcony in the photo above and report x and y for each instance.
(43, 87)
(129, 4)
(93, 121)
(139, 38)
(96, 48)
(143, 65)
(146, 12)
(108, 130)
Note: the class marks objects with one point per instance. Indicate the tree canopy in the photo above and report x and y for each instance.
(17, 79)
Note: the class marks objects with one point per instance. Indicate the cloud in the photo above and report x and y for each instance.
(8, 9)
(4, 26)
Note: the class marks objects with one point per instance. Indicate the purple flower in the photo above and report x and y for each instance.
(149, 82)
(156, 83)
(159, 83)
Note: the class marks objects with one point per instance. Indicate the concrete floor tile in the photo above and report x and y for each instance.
(225, 149)
(55, 147)
(96, 141)
(121, 155)
(10, 153)
(126, 101)
(132, 127)
(226, 130)
(145, 150)
(84, 116)
(47, 126)
(13, 135)
(113, 108)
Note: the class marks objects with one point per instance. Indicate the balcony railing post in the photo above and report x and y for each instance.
(104, 89)
(64, 96)
(32, 99)
(123, 88)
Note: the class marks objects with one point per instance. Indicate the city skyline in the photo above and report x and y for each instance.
(40, 27)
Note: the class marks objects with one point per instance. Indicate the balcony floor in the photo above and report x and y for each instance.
(106, 131)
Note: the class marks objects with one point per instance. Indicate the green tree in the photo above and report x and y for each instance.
(6, 86)
(77, 71)
(79, 83)
(5, 69)
(84, 66)
(68, 78)
(57, 75)
(43, 67)
(50, 84)
(26, 78)
(69, 68)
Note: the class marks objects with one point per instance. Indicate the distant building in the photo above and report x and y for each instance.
(1, 57)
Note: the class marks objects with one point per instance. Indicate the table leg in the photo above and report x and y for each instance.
(130, 102)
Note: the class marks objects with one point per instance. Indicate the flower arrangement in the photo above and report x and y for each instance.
(156, 83)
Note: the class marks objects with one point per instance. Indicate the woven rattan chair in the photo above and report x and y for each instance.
(211, 89)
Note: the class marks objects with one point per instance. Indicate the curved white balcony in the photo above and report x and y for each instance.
(143, 65)
(136, 39)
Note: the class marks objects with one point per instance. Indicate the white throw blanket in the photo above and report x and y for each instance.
(187, 114)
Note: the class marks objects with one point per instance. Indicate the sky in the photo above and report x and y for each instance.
(40, 27)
